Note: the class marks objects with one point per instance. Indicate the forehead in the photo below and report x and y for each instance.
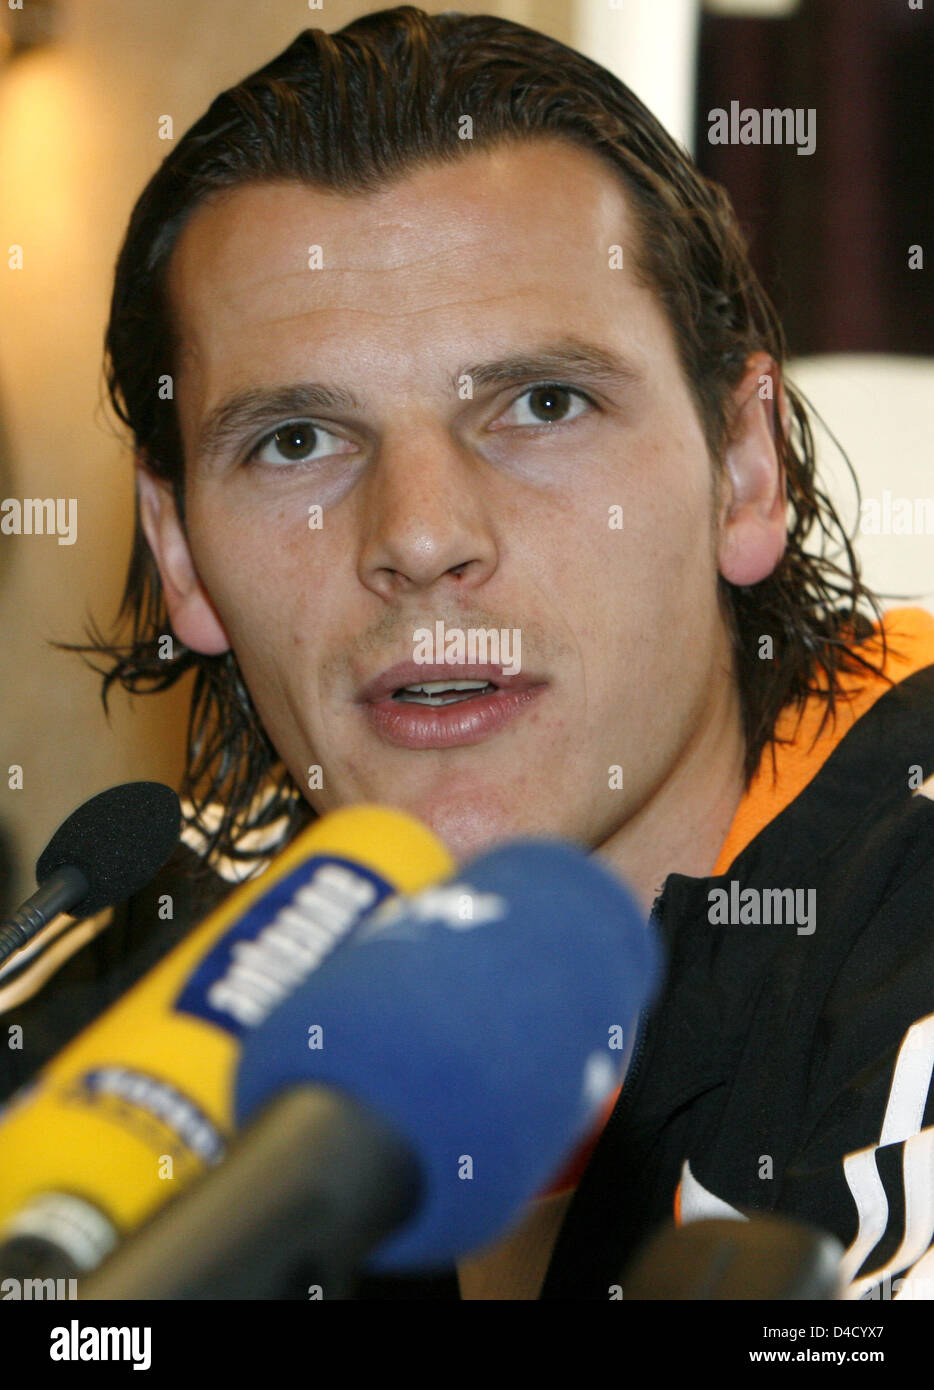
(446, 249)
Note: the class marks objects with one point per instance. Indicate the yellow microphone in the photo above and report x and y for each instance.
(140, 1103)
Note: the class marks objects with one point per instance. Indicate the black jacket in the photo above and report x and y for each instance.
(773, 1055)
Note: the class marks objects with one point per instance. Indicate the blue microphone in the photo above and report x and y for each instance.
(482, 1023)
(416, 1091)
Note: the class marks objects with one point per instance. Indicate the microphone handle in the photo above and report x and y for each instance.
(66, 887)
(303, 1195)
(719, 1259)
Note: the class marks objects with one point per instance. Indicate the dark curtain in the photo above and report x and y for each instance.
(830, 232)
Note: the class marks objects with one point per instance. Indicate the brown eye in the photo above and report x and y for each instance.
(550, 404)
(299, 441)
(295, 441)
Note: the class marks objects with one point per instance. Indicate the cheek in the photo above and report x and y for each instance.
(637, 568)
(246, 568)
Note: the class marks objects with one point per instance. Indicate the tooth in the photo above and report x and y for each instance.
(436, 687)
(437, 694)
(438, 701)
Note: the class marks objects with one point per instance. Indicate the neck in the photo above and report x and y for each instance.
(683, 825)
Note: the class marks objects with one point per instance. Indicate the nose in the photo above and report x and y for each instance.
(424, 515)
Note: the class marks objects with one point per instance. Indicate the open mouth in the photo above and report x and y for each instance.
(421, 714)
(437, 694)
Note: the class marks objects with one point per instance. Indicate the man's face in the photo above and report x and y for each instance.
(581, 518)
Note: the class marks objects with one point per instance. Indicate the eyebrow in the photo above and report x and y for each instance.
(251, 408)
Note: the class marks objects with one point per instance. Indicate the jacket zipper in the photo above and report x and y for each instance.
(624, 1102)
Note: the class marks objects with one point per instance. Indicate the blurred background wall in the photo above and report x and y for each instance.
(79, 136)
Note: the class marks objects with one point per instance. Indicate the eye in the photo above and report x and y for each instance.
(547, 405)
(296, 442)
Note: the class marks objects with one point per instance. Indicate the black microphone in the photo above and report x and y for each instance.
(105, 851)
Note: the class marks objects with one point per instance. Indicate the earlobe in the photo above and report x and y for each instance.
(753, 530)
(193, 615)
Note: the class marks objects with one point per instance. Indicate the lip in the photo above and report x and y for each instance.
(458, 725)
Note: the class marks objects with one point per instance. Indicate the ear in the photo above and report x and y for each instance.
(753, 529)
(193, 616)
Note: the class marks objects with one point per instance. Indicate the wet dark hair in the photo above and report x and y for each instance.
(350, 111)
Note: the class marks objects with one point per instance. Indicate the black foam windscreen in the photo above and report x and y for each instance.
(119, 840)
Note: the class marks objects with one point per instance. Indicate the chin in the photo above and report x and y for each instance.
(467, 830)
